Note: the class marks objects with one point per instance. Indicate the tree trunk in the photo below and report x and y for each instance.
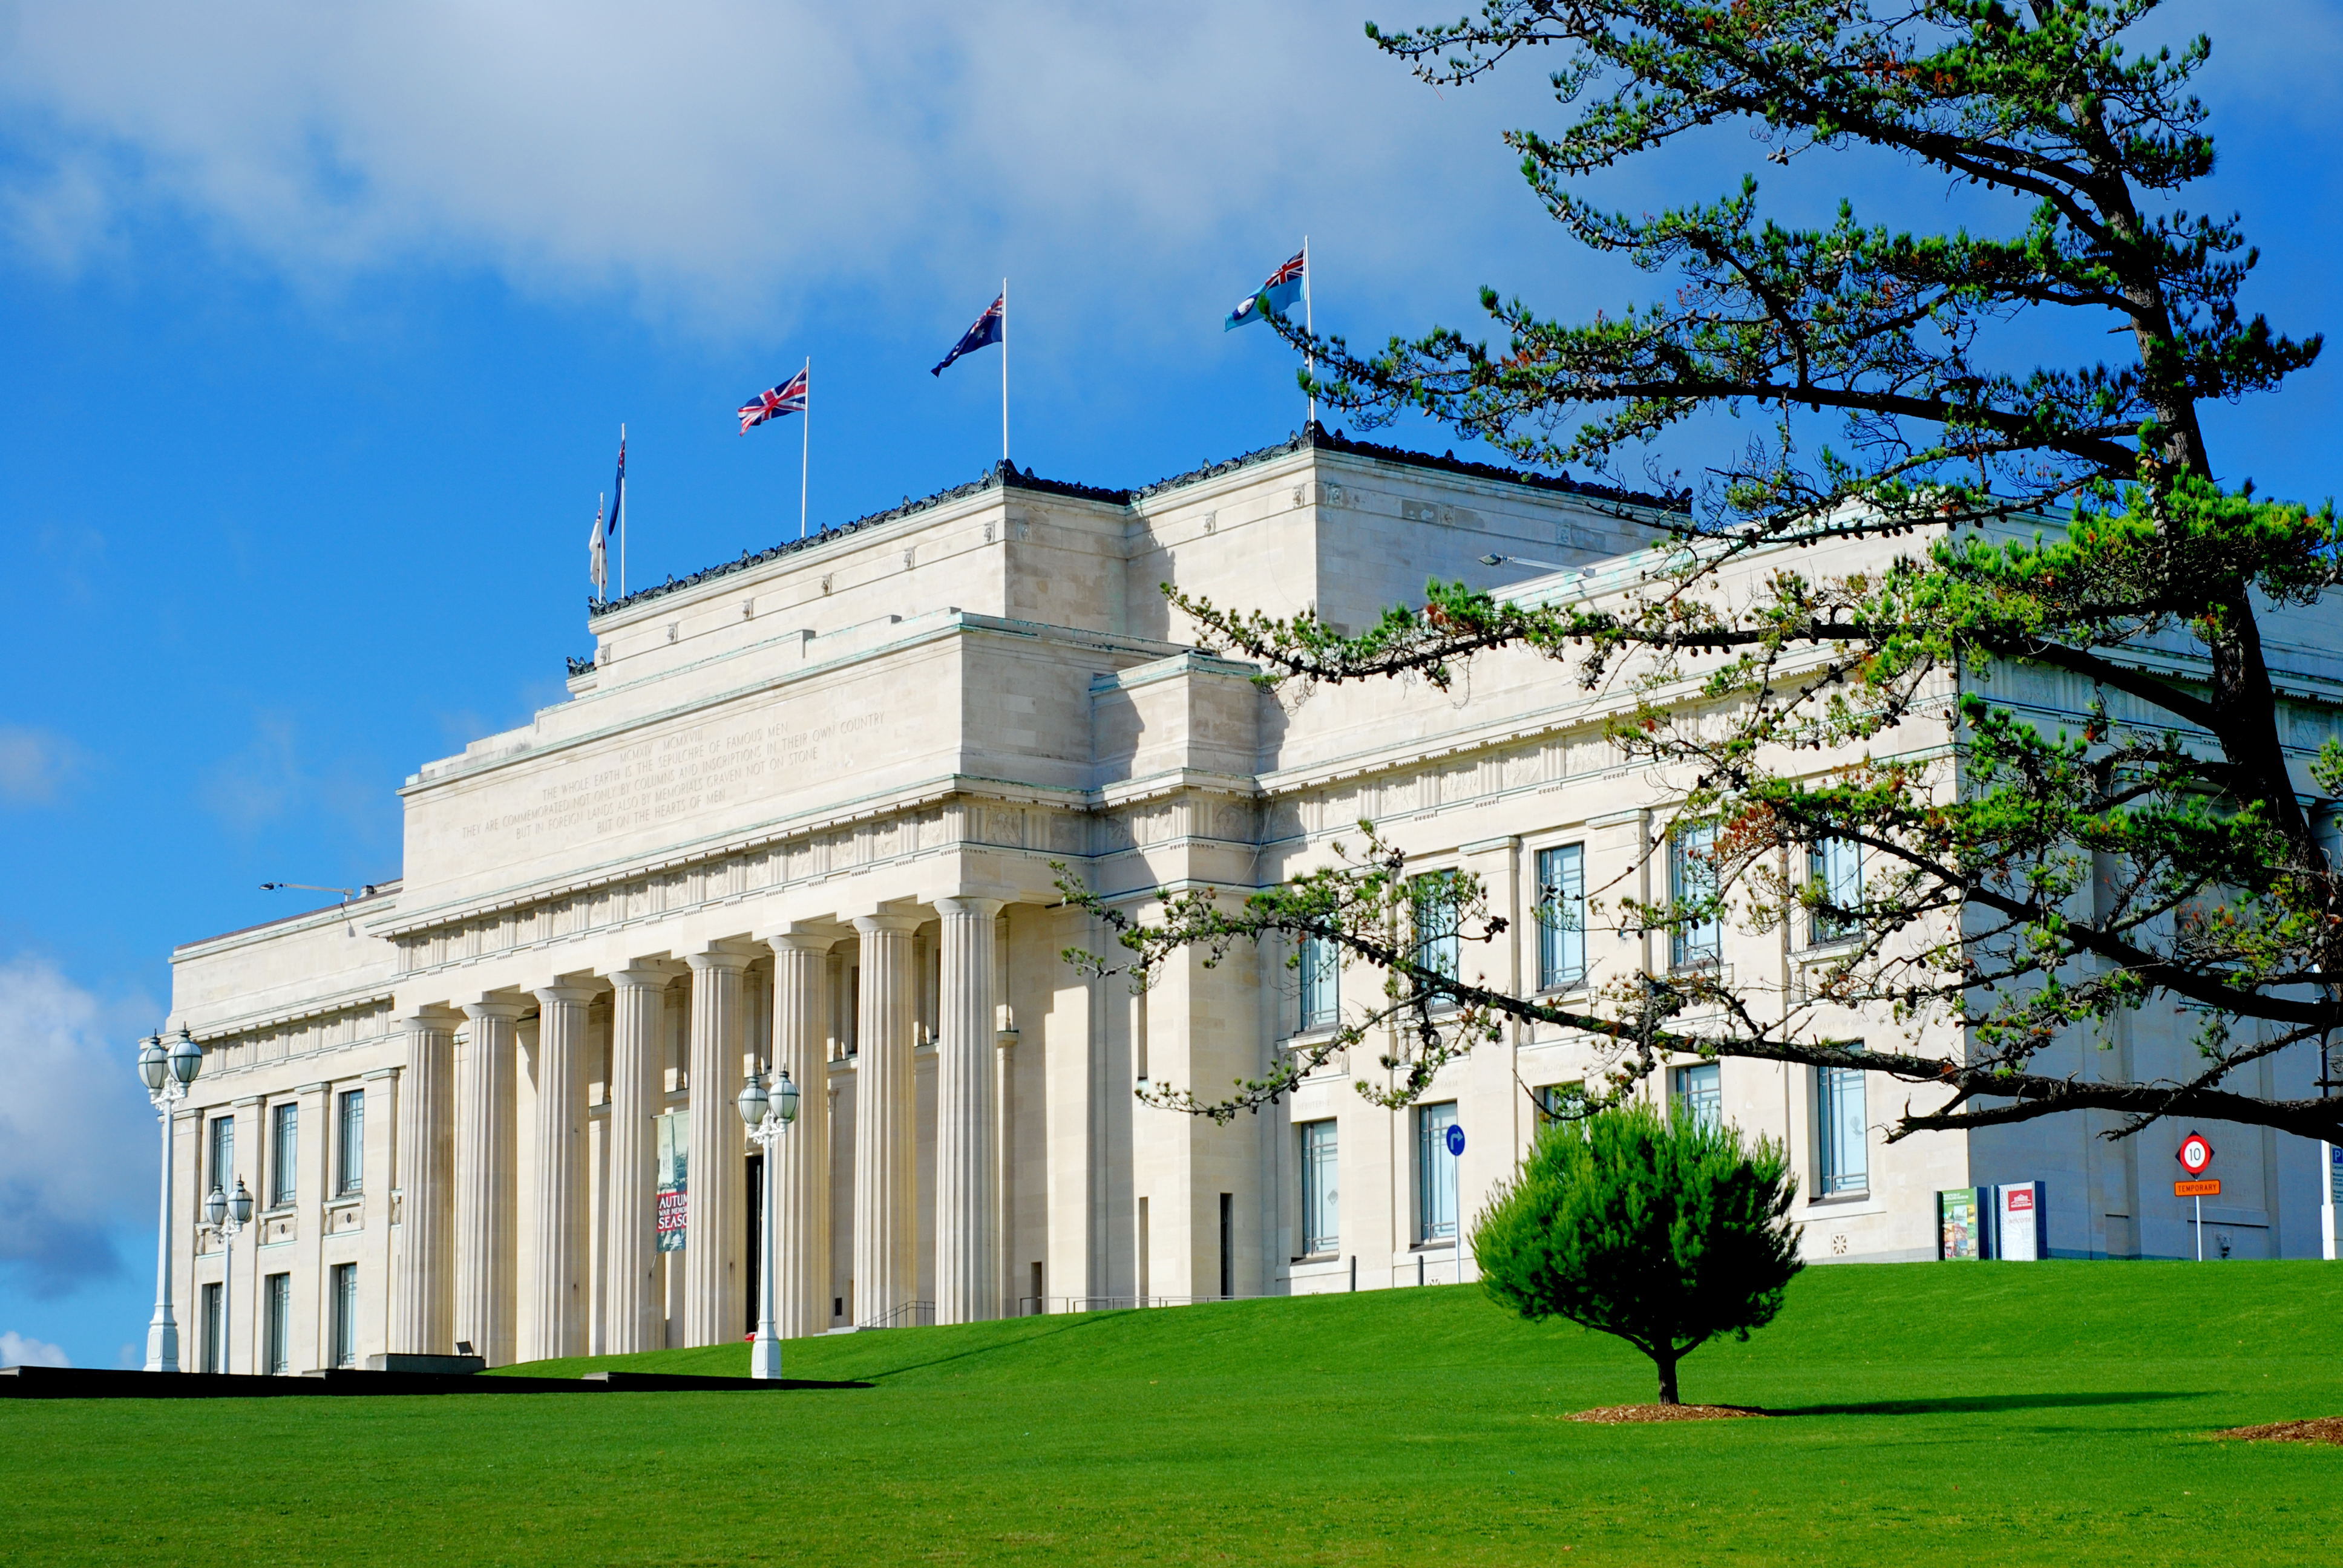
(1667, 1364)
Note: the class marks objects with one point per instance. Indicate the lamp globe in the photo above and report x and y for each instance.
(186, 1057)
(153, 1064)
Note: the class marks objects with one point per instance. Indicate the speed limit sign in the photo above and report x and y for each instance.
(2195, 1154)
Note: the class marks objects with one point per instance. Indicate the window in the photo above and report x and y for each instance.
(1228, 1245)
(1698, 1097)
(1321, 1216)
(284, 1143)
(213, 1330)
(222, 1173)
(1435, 1173)
(1561, 918)
(349, 1137)
(1553, 1099)
(277, 1301)
(1437, 947)
(1844, 1158)
(1836, 867)
(1320, 963)
(1696, 938)
(342, 1304)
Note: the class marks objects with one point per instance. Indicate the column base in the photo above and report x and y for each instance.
(162, 1343)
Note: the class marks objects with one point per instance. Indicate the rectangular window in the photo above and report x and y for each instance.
(222, 1155)
(1553, 1099)
(1836, 867)
(214, 1331)
(277, 1296)
(349, 1137)
(284, 1144)
(1321, 963)
(1435, 1173)
(342, 1304)
(1228, 1245)
(1437, 943)
(1845, 1159)
(1321, 1215)
(1698, 1098)
(1561, 918)
(1696, 936)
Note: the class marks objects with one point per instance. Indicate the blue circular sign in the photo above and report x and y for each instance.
(1455, 1139)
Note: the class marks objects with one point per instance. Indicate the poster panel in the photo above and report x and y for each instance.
(1956, 1223)
(674, 1195)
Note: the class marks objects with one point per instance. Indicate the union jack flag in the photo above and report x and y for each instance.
(1275, 298)
(790, 397)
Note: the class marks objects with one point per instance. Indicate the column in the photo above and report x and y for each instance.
(802, 1274)
(556, 1305)
(484, 1182)
(632, 1308)
(886, 1155)
(968, 1169)
(715, 1299)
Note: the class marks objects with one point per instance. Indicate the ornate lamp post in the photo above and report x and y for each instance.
(769, 1114)
(228, 1216)
(166, 1075)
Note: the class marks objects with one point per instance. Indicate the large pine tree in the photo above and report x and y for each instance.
(2023, 883)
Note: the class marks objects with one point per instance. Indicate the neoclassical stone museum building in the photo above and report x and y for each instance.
(802, 811)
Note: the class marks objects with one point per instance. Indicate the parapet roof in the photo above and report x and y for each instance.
(1006, 475)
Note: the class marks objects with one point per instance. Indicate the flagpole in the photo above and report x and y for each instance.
(1309, 326)
(805, 455)
(622, 520)
(1004, 370)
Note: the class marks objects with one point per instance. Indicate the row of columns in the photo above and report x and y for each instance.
(459, 1166)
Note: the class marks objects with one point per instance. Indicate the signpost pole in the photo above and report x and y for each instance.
(2200, 1230)
(2332, 1169)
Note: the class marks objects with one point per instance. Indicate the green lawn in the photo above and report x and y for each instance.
(1973, 1413)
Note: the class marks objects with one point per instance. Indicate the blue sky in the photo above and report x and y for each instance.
(319, 324)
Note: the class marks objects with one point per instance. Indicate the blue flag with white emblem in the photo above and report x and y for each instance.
(1275, 298)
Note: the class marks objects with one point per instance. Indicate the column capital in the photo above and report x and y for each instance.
(433, 1017)
(577, 995)
(970, 906)
(797, 937)
(495, 1006)
(872, 925)
(717, 959)
(645, 976)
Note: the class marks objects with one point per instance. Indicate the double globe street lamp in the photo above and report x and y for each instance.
(166, 1074)
(768, 1112)
(228, 1217)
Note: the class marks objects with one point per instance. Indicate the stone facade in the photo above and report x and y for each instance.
(808, 808)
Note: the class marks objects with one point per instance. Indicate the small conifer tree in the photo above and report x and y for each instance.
(1663, 1232)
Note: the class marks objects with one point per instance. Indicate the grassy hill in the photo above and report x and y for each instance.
(2055, 1413)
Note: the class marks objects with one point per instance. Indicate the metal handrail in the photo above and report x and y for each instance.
(908, 1315)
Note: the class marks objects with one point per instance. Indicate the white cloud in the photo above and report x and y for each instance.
(17, 1350)
(76, 1136)
(729, 160)
(35, 764)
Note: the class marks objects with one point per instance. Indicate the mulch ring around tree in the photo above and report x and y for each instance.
(1621, 1414)
(2323, 1429)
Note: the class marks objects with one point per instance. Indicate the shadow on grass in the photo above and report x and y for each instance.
(1979, 1404)
(1082, 1321)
